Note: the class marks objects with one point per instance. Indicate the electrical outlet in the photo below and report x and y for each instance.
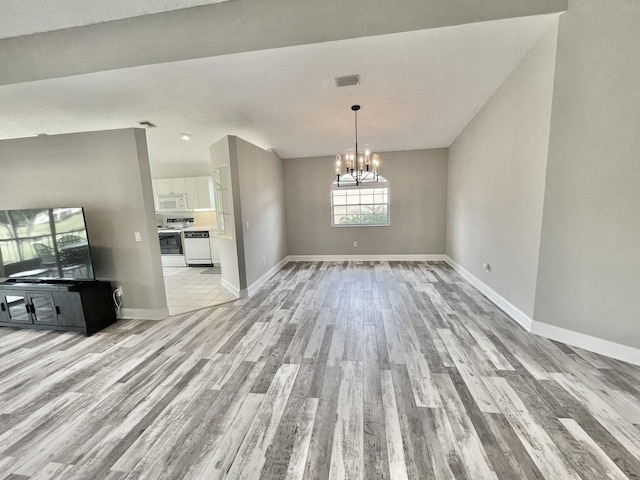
(355, 244)
(137, 236)
(264, 261)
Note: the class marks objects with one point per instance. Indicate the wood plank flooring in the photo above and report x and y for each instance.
(354, 370)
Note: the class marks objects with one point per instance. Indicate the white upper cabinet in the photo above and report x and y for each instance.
(205, 192)
(170, 186)
(163, 186)
(199, 190)
(177, 185)
(191, 186)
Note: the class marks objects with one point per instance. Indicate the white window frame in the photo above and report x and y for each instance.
(365, 186)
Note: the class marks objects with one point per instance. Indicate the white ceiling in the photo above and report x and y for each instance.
(24, 17)
(418, 90)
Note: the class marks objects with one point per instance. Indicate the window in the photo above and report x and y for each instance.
(364, 205)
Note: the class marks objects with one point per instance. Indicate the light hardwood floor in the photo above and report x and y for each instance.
(342, 371)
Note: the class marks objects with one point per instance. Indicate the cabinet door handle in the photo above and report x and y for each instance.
(28, 307)
(3, 307)
(57, 310)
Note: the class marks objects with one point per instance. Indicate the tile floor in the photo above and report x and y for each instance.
(188, 289)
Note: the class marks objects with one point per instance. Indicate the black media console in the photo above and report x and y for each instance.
(73, 305)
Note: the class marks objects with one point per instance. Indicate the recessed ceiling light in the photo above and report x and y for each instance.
(185, 136)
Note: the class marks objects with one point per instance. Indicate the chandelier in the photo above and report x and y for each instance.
(359, 167)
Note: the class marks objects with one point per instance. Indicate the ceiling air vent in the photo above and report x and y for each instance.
(347, 81)
(147, 124)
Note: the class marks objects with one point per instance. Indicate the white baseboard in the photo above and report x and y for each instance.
(509, 308)
(232, 288)
(144, 313)
(552, 332)
(368, 258)
(587, 342)
(258, 284)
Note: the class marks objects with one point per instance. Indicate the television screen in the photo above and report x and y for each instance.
(44, 244)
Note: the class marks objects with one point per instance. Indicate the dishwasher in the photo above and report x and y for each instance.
(197, 248)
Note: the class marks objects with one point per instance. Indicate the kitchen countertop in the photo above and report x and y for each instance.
(201, 228)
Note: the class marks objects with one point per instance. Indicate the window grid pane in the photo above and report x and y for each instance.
(360, 206)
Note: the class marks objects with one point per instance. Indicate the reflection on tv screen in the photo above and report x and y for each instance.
(44, 244)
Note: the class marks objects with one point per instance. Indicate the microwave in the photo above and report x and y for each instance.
(172, 203)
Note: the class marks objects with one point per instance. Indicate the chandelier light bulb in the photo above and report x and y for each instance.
(376, 162)
(349, 157)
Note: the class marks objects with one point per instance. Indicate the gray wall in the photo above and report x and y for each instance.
(263, 209)
(589, 275)
(496, 180)
(417, 183)
(108, 174)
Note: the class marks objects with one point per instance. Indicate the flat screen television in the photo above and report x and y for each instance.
(44, 244)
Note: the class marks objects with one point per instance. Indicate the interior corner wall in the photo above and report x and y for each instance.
(589, 272)
(108, 174)
(263, 221)
(223, 159)
(496, 180)
(418, 197)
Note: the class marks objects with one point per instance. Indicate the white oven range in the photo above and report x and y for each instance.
(172, 242)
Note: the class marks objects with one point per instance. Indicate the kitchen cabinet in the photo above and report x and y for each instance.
(199, 190)
(191, 186)
(169, 186)
(178, 185)
(163, 186)
(205, 192)
(80, 306)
